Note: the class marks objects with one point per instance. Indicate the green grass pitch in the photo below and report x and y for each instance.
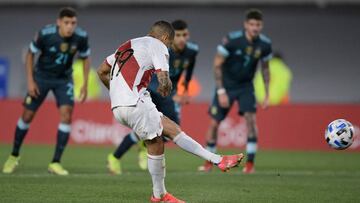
(282, 176)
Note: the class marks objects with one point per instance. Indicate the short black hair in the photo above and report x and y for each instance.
(164, 27)
(255, 14)
(179, 25)
(67, 12)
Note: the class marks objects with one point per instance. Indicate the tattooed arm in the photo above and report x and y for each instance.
(165, 84)
(221, 92)
(104, 74)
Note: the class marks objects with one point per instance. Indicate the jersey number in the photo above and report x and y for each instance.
(121, 58)
(246, 60)
(61, 59)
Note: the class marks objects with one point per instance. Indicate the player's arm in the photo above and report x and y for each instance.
(188, 75)
(35, 47)
(84, 54)
(165, 84)
(160, 59)
(33, 89)
(184, 98)
(218, 62)
(220, 90)
(265, 70)
(104, 74)
(86, 70)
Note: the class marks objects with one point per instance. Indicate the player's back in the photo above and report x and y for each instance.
(137, 60)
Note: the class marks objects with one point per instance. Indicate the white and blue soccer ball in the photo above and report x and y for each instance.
(339, 134)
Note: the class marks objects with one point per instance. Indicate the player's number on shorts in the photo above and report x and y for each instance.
(121, 58)
(62, 59)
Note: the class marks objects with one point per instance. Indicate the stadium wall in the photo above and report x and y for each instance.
(320, 45)
(291, 127)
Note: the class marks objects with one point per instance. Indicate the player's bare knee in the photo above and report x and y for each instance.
(155, 146)
(28, 116)
(66, 114)
(65, 117)
(214, 124)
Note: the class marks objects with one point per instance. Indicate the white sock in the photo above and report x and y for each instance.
(156, 166)
(188, 144)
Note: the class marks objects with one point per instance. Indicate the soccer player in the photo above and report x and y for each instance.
(182, 58)
(126, 74)
(57, 45)
(234, 66)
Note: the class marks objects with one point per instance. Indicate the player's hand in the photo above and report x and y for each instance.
(223, 100)
(265, 104)
(181, 99)
(83, 94)
(33, 89)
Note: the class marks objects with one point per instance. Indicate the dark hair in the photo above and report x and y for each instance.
(254, 14)
(164, 27)
(179, 25)
(67, 12)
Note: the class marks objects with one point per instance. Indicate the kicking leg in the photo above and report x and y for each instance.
(185, 142)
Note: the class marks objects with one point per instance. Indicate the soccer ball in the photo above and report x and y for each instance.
(339, 134)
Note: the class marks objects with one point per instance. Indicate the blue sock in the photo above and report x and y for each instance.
(62, 140)
(211, 147)
(251, 149)
(20, 133)
(125, 145)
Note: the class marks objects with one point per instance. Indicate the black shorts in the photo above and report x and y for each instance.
(244, 96)
(166, 106)
(63, 91)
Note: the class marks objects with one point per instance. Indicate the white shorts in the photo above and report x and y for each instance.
(143, 118)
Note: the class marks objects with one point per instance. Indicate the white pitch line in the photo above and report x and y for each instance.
(189, 173)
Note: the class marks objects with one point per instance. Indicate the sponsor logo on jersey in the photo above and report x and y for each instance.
(52, 49)
(238, 52)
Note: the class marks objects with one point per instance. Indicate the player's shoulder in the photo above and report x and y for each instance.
(192, 47)
(156, 43)
(234, 35)
(49, 29)
(265, 39)
(80, 32)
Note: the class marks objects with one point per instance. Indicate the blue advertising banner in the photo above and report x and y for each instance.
(4, 75)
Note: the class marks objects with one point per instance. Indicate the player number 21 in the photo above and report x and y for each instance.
(61, 59)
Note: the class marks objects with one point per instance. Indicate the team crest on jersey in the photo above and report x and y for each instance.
(73, 49)
(64, 47)
(257, 53)
(249, 50)
(186, 64)
(177, 63)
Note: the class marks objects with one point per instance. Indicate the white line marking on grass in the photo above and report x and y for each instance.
(188, 173)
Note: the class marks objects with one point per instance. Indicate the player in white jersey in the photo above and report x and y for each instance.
(126, 74)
